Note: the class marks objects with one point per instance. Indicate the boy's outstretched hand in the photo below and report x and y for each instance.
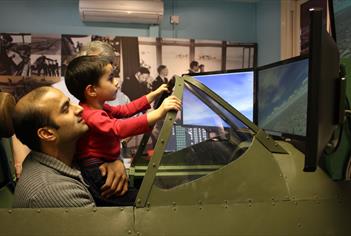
(154, 94)
(170, 103)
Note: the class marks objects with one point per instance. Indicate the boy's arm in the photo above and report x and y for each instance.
(136, 106)
(99, 122)
(154, 94)
(129, 109)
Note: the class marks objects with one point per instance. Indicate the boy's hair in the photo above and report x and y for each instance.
(83, 71)
(160, 68)
(143, 70)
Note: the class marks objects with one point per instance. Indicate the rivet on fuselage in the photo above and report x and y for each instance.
(226, 203)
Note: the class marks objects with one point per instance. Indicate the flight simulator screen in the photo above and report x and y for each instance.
(235, 88)
(282, 97)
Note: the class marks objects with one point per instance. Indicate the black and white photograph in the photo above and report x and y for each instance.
(46, 55)
(15, 54)
(45, 65)
(70, 46)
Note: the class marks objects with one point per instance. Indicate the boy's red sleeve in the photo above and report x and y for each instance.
(100, 122)
(129, 109)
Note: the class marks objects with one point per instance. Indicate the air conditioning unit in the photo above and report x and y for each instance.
(121, 11)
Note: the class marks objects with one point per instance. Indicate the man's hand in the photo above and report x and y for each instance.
(116, 179)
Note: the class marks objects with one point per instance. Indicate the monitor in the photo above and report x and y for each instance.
(281, 90)
(325, 91)
(235, 87)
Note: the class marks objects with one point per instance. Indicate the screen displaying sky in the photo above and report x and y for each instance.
(235, 88)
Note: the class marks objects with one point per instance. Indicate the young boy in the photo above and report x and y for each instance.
(90, 79)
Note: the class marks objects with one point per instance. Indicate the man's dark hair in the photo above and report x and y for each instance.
(160, 68)
(83, 71)
(30, 118)
(143, 70)
(193, 64)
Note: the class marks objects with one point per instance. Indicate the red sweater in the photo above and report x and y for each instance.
(106, 129)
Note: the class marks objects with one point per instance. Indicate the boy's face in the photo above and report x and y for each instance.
(108, 85)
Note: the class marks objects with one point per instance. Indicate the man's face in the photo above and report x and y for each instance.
(64, 114)
(164, 72)
(108, 85)
(143, 77)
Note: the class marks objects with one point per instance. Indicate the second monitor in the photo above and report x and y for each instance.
(282, 97)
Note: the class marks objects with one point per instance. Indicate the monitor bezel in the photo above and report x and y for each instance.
(318, 86)
(332, 19)
(274, 133)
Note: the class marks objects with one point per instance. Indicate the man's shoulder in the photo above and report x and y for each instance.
(40, 183)
(57, 193)
(38, 175)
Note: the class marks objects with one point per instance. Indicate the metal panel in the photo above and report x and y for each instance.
(246, 218)
(255, 176)
(71, 221)
(159, 149)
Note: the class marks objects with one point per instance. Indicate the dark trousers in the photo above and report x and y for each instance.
(95, 180)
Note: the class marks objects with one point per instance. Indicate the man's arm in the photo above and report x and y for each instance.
(116, 183)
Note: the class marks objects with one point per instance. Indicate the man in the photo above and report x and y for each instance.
(136, 86)
(162, 71)
(49, 125)
(202, 68)
(194, 68)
